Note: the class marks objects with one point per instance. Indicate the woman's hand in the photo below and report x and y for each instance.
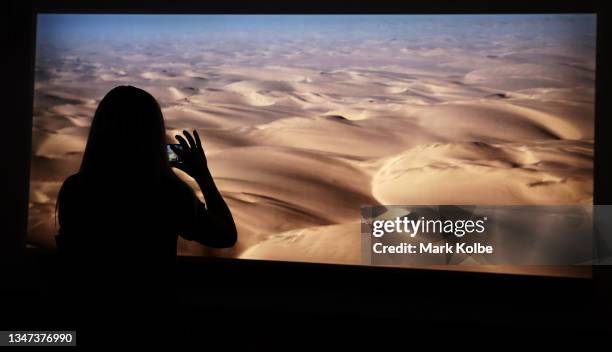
(192, 154)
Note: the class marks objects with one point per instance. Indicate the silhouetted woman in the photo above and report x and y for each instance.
(120, 215)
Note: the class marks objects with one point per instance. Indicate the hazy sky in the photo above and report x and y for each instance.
(63, 28)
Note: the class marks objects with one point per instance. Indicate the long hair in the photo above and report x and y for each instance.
(127, 137)
(125, 149)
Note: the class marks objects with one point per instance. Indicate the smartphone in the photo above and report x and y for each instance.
(173, 158)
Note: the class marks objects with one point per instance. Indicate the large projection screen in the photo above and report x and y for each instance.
(305, 118)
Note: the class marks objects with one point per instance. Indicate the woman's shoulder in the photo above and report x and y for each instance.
(72, 183)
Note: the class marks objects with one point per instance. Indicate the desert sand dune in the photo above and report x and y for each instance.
(310, 244)
(445, 173)
(300, 132)
(54, 145)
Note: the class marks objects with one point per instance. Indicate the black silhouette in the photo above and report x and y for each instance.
(120, 215)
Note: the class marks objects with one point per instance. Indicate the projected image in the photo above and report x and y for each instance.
(307, 118)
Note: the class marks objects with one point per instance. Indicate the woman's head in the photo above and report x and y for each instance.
(125, 155)
(127, 135)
